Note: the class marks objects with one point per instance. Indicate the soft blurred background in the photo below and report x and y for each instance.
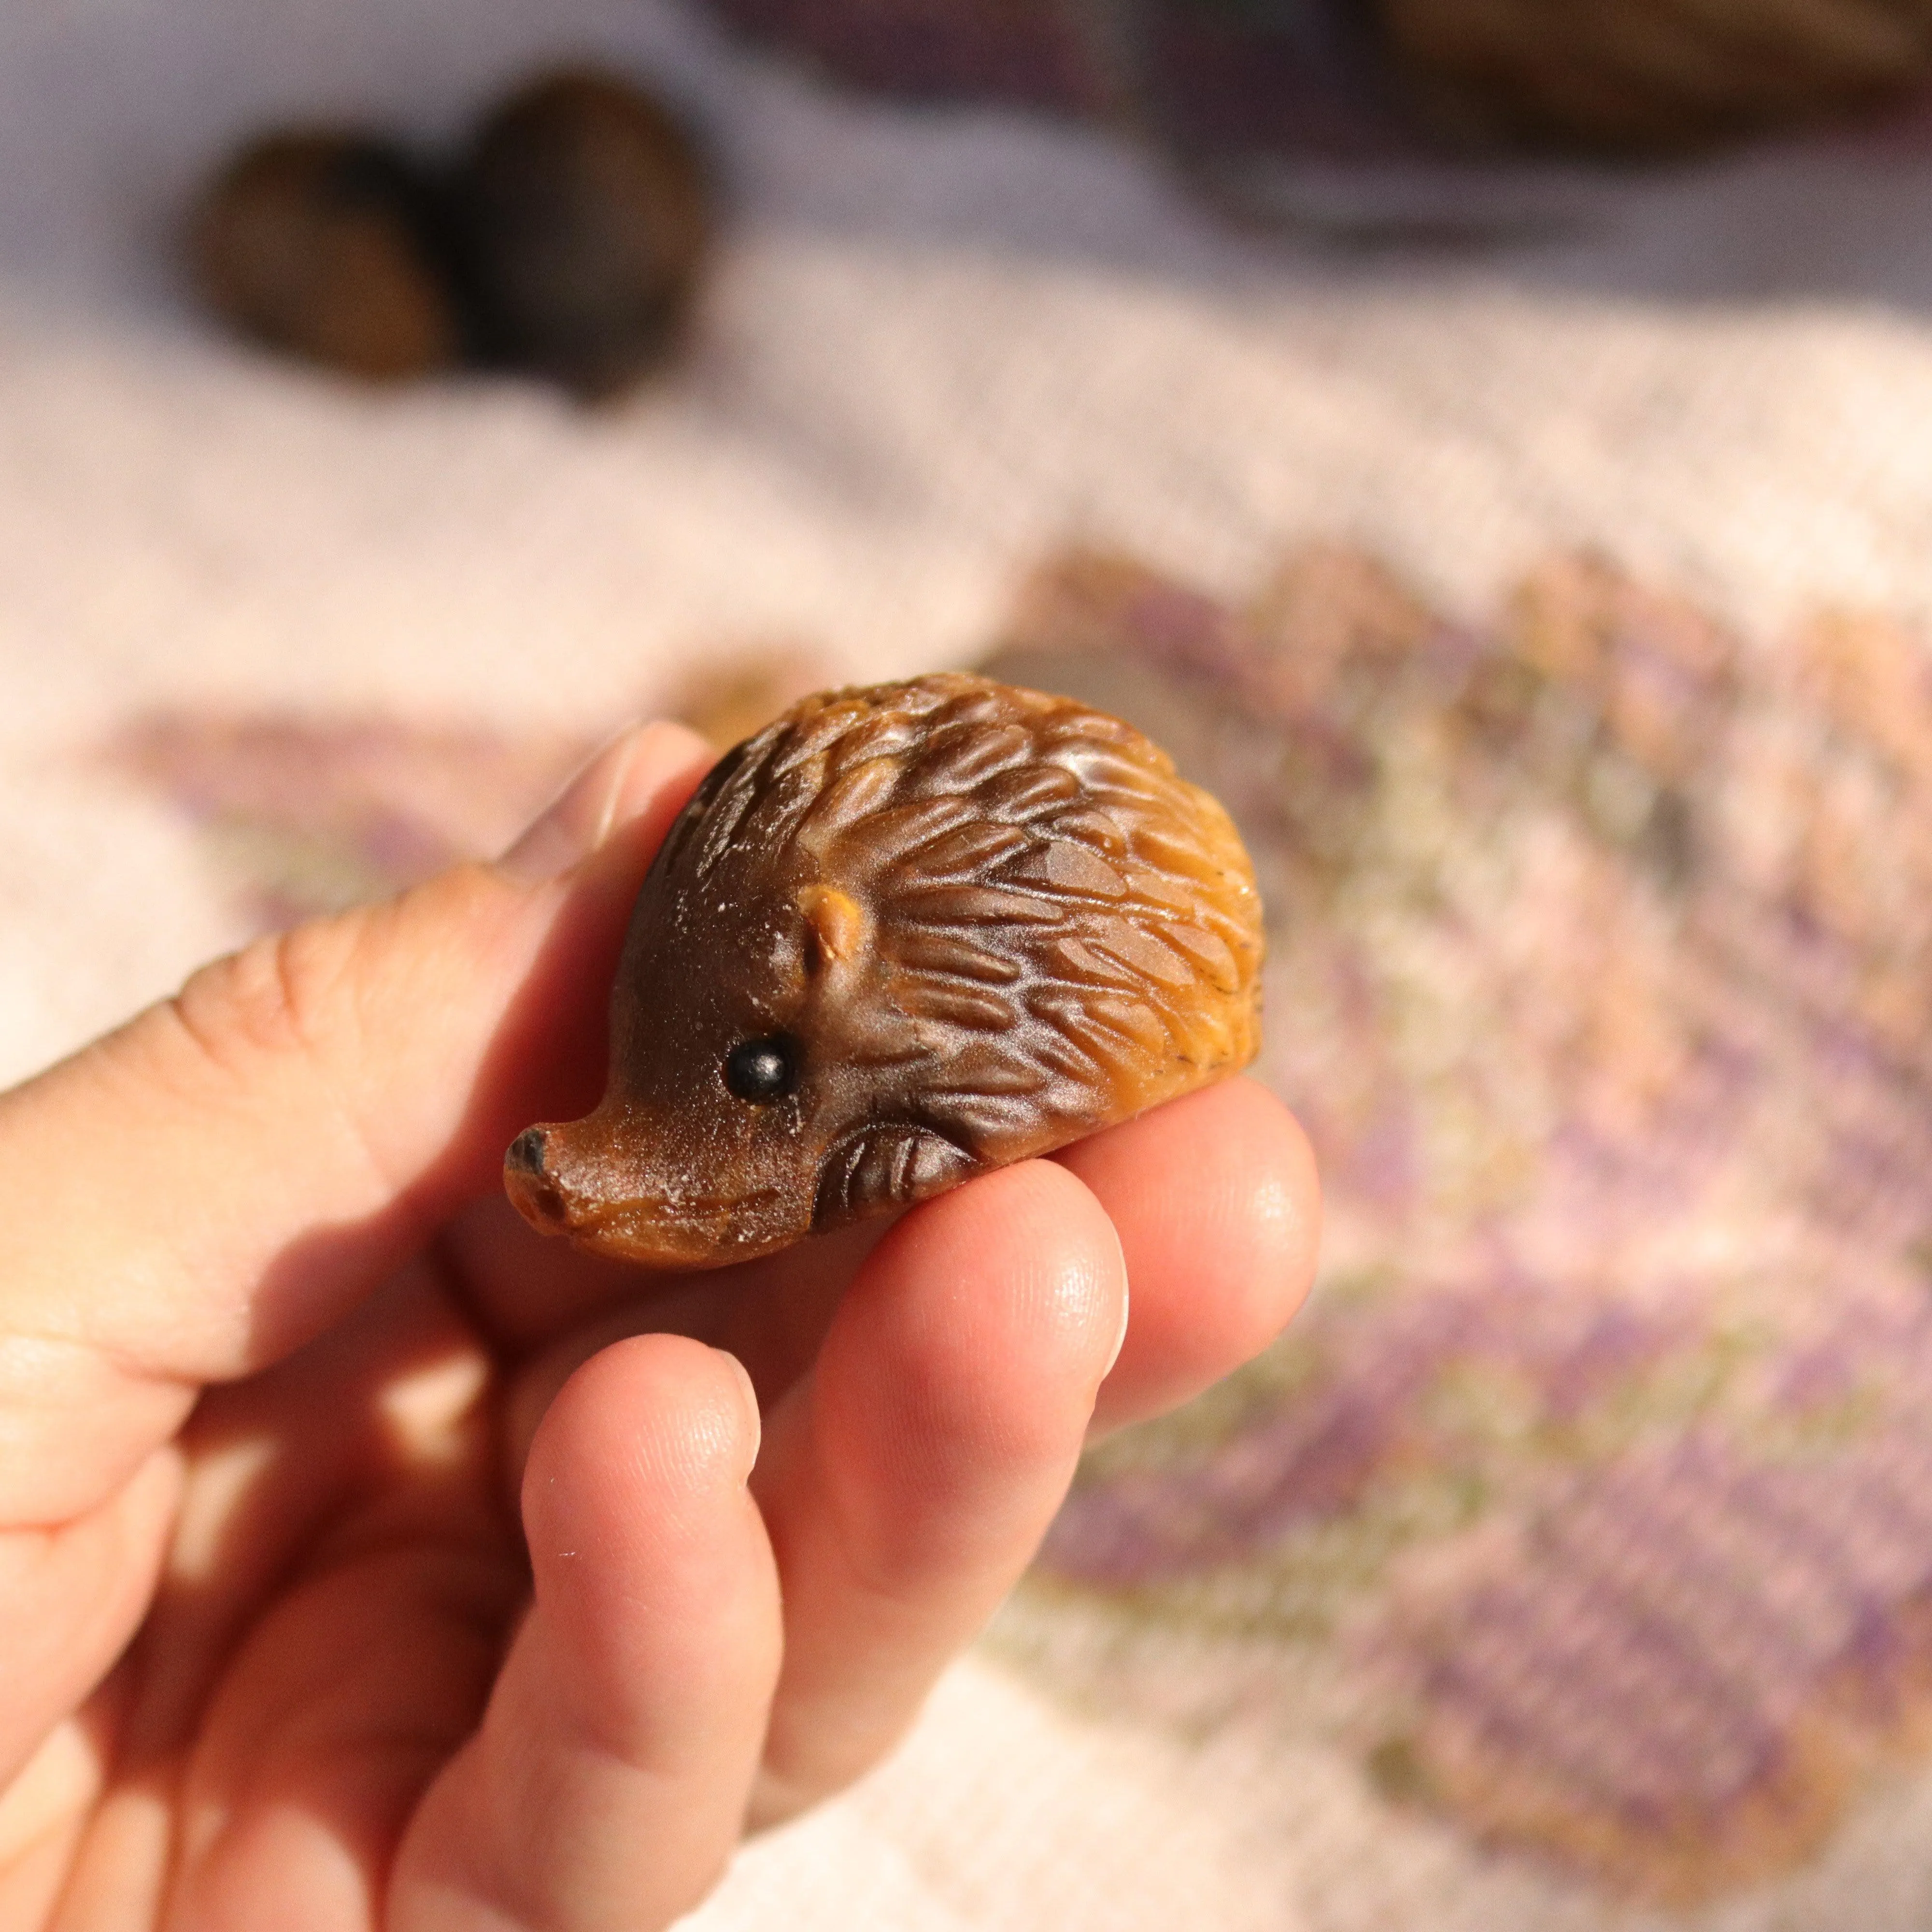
(1490, 441)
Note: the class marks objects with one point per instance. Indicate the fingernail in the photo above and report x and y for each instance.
(755, 1419)
(575, 823)
(619, 781)
(1126, 1307)
(1120, 1338)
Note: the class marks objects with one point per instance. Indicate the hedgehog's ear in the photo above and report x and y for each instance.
(836, 922)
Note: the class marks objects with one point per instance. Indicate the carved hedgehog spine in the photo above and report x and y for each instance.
(963, 923)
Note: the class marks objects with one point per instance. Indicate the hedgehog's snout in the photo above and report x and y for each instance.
(560, 1175)
(613, 1189)
(530, 1185)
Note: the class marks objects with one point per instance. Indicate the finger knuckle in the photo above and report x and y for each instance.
(281, 997)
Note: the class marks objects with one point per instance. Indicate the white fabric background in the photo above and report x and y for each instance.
(939, 343)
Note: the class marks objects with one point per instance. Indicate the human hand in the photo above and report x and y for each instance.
(368, 1561)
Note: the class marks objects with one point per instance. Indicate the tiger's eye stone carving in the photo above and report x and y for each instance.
(905, 934)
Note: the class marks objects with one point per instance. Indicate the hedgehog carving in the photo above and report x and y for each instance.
(904, 934)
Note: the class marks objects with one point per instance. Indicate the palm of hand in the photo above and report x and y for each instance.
(454, 1605)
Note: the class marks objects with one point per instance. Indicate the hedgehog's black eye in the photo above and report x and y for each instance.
(760, 1069)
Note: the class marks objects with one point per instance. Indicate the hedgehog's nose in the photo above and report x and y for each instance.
(530, 1184)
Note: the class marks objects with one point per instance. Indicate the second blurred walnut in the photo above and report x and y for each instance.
(584, 217)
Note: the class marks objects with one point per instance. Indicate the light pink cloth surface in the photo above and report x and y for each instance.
(936, 347)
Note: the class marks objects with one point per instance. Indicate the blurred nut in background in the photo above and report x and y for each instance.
(323, 244)
(583, 215)
(1652, 76)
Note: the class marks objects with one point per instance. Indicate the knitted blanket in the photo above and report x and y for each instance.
(1550, 615)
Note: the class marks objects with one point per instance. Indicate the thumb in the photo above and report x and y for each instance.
(207, 1188)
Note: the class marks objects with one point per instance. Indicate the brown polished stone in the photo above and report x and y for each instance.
(905, 934)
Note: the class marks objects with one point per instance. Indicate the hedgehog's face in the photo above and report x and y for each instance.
(748, 1079)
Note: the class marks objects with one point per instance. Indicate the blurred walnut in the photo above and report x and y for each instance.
(584, 218)
(1652, 76)
(322, 245)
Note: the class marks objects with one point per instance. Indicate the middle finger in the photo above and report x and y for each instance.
(907, 1479)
